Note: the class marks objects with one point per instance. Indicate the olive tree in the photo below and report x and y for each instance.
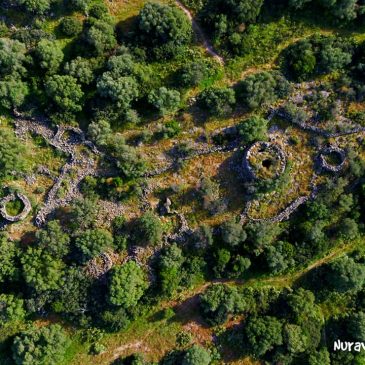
(49, 55)
(164, 100)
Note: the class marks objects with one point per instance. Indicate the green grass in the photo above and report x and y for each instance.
(14, 207)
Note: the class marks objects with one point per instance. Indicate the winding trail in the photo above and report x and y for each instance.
(200, 34)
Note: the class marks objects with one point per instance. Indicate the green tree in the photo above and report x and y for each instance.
(261, 89)
(100, 132)
(223, 17)
(65, 92)
(35, 6)
(239, 267)
(356, 326)
(129, 161)
(217, 101)
(164, 100)
(70, 26)
(150, 229)
(115, 320)
(100, 36)
(300, 60)
(53, 239)
(321, 357)
(78, 5)
(295, 339)
(8, 254)
(42, 271)
(253, 129)
(262, 235)
(217, 302)
(349, 229)
(333, 58)
(222, 258)
(11, 309)
(279, 256)
(263, 334)
(81, 69)
(43, 346)
(13, 92)
(122, 90)
(93, 242)
(197, 355)
(84, 213)
(163, 28)
(194, 73)
(127, 285)
(170, 268)
(233, 233)
(342, 10)
(12, 154)
(72, 298)
(49, 55)
(345, 274)
(12, 57)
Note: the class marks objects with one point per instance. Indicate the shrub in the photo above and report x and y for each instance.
(262, 89)
(217, 101)
(164, 100)
(253, 129)
(70, 26)
(93, 242)
(150, 229)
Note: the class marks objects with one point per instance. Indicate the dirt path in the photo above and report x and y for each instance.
(200, 34)
(278, 280)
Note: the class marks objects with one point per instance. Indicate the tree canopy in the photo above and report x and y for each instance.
(127, 285)
(45, 345)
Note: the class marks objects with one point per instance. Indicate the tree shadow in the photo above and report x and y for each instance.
(232, 182)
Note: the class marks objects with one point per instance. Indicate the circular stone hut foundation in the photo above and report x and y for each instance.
(332, 159)
(12, 197)
(264, 160)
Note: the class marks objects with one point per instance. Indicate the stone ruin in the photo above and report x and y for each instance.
(11, 197)
(330, 167)
(264, 147)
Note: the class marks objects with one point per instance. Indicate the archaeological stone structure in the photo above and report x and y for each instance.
(262, 149)
(324, 162)
(12, 197)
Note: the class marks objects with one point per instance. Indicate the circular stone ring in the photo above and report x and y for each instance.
(337, 166)
(264, 153)
(11, 197)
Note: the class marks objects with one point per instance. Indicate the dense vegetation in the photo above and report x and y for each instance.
(138, 242)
